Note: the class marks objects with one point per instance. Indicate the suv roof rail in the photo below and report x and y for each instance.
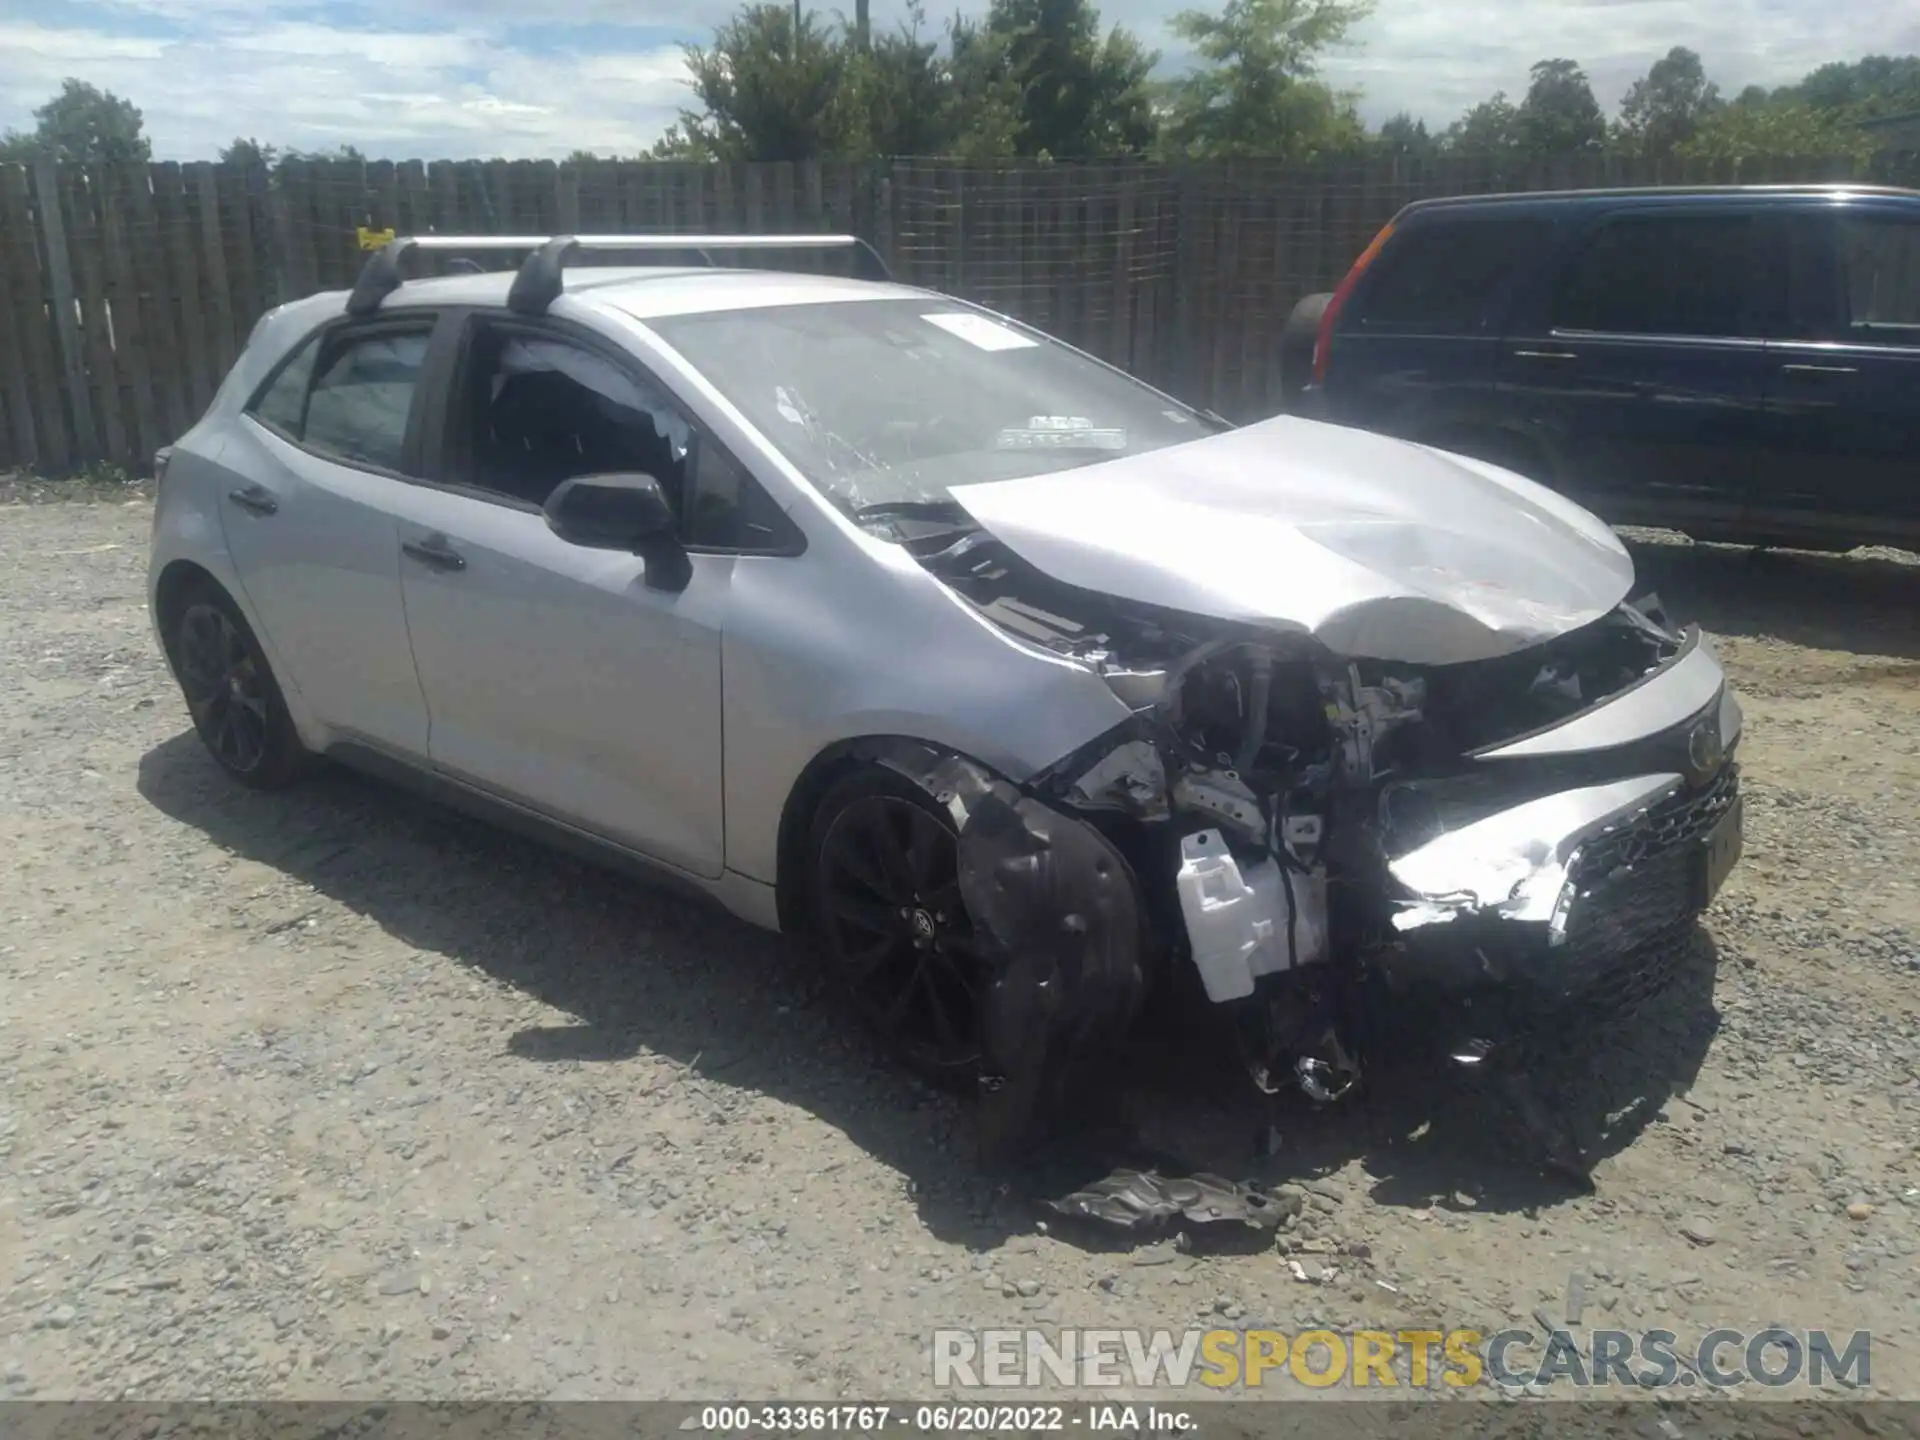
(1672, 192)
(542, 274)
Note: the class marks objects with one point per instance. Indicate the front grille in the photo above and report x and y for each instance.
(1676, 823)
(1631, 922)
(1629, 907)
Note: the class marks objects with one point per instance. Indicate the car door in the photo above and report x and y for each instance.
(321, 452)
(1418, 341)
(555, 675)
(1843, 388)
(1641, 364)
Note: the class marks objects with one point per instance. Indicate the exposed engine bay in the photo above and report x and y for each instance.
(1310, 835)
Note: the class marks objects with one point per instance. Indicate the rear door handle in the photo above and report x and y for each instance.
(1819, 370)
(1545, 355)
(434, 551)
(256, 498)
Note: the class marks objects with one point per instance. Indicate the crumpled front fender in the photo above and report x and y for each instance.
(1059, 910)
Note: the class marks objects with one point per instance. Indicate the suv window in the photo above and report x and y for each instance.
(1442, 274)
(540, 410)
(1882, 258)
(347, 393)
(1661, 275)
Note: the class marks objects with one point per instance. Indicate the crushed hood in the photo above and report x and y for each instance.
(1378, 548)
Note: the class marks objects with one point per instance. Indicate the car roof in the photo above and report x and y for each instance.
(647, 292)
(1656, 196)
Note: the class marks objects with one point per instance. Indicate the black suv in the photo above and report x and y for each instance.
(1740, 364)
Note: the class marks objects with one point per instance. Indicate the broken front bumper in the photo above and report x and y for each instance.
(1587, 896)
(1584, 897)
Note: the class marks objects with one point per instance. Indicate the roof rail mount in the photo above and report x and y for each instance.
(542, 273)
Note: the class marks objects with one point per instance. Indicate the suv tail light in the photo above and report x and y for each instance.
(1323, 343)
(161, 459)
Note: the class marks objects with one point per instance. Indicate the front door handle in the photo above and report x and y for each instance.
(1819, 370)
(434, 551)
(1545, 355)
(256, 498)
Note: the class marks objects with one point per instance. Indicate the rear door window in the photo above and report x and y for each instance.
(1881, 254)
(348, 392)
(283, 404)
(1441, 276)
(363, 394)
(1662, 275)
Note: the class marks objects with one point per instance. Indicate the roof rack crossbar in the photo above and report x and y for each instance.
(541, 278)
(542, 274)
(384, 271)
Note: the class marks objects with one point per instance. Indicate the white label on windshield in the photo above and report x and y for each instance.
(979, 331)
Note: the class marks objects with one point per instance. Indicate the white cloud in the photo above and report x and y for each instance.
(397, 49)
(394, 93)
(1440, 56)
(31, 50)
(432, 78)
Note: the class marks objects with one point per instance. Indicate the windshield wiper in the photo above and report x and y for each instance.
(911, 521)
(949, 510)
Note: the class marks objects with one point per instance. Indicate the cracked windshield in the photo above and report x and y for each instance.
(887, 404)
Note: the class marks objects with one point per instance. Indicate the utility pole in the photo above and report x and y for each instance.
(862, 24)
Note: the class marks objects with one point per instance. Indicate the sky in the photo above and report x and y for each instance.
(433, 79)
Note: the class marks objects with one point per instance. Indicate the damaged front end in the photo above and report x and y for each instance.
(1313, 837)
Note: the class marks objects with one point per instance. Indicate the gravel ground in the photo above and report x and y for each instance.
(332, 1093)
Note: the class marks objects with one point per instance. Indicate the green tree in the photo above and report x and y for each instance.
(771, 88)
(1256, 93)
(1867, 89)
(982, 113)
(1403, 135)
(1074, 93)
(678, 143)
(1666, 107)
(1491, 128)
(1745, 131)
(341, 154)
(249, 152)
(901, 93)
(1559, 115)
(81, 123)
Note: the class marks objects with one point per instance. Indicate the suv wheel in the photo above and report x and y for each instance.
(1297, 339)
(232, 695)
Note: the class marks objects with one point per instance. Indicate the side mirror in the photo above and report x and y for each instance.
(621, 512)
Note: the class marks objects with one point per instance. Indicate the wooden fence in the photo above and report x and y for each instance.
(126, 291)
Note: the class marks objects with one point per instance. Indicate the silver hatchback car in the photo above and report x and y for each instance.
(1024, 691)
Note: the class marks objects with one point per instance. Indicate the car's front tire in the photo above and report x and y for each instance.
(889, 923)
(231, 693)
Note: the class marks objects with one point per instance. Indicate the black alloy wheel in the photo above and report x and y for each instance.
(893, 925)
(231, 694)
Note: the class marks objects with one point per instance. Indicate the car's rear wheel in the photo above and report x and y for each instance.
(230, 690)
(890, 923)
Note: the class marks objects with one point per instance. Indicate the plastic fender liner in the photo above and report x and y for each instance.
(1059, 910)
